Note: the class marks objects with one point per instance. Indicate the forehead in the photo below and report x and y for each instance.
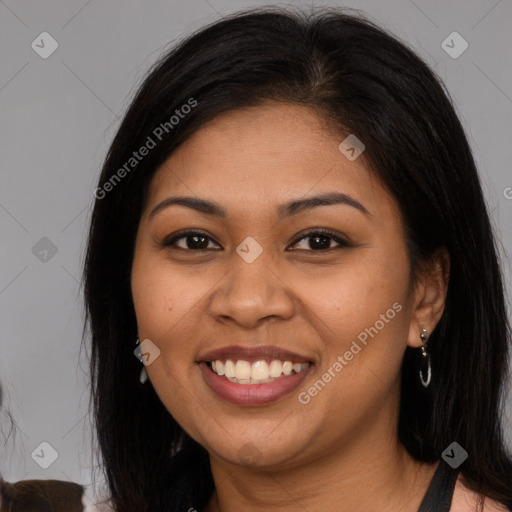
(260, 156)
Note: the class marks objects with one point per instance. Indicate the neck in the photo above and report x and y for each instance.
(369, 472)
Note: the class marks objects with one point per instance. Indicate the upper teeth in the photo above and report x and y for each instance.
(260, 371)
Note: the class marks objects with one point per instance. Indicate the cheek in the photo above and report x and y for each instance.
(164, 300)
(343, 300)
(361, 313)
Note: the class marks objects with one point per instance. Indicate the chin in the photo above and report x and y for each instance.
(256, 452)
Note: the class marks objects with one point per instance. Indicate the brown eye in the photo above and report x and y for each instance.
(191, 240)
(321, 241)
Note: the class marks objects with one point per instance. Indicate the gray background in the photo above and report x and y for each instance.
(58, 117)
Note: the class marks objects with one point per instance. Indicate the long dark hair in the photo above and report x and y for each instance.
(368, 83)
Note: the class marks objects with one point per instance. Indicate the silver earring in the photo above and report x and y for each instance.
(143, 374)
(425, 360)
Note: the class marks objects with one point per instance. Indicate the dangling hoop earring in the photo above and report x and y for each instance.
(425, 360)
(143, 374)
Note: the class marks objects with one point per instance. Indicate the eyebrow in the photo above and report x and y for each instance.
(288, 209)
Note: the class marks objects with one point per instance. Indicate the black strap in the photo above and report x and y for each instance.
(438, 497)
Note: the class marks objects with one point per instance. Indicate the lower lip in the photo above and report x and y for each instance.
(252, 394)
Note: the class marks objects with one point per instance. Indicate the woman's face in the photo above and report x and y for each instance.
(257, 295)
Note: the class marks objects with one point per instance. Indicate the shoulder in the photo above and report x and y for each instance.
(466, 500)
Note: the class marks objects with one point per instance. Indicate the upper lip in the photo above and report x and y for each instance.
(251, 354)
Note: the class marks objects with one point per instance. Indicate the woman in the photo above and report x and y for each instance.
(290, 222)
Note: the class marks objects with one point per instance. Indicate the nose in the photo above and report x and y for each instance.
(251, 293)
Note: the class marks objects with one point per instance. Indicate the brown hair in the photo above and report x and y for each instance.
(40, 496)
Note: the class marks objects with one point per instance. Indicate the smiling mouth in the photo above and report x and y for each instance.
(255, 372)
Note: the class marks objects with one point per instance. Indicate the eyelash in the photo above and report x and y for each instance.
(322, 232)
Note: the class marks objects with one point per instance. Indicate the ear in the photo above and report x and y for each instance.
(429, 296)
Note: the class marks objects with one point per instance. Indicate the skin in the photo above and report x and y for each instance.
(340, 451)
